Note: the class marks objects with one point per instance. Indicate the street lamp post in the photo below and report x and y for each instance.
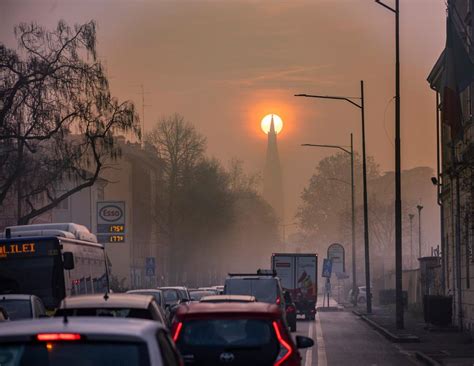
(398, 181)
(411, 216)
(351, 153)
(364, 177)
(419, 207)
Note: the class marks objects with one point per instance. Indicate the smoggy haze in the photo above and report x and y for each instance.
(225, 64)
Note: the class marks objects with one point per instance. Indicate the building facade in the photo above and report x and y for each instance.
(452, 79)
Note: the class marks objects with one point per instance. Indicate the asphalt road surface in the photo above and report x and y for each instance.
(341, 338)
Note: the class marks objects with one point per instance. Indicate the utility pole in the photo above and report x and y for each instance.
(419, 207)
(142, 127)
(398, 183)
(411, 216)
(364, 174)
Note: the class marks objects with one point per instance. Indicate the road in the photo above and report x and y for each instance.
(341, 338)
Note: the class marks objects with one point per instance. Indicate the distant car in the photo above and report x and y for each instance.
(290, 311)
(22, 306)
(264, 285)
(159, 298)
(112, 305)
(228, 298)
(173, 297)
(237, 334)
(87, 341)
(196, 295)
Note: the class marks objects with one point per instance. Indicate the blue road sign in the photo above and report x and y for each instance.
(150, 266)
(327, 268)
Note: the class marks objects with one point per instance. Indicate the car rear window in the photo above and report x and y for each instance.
(227, 333)
(17, 309)
(171, 296)
(74, 354)
(264, 290)
(110, 312)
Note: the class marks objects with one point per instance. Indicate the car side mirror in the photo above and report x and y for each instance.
(68, 260)
(304, 342)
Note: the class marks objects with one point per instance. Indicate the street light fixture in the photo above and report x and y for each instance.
(351, 153)
(398, 181)
(360, 105)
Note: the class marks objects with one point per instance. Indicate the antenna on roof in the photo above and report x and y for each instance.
(65, 320)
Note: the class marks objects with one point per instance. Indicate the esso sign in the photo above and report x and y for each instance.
(111, 213)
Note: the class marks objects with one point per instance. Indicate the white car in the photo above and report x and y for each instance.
(87, 341)
(19, 306)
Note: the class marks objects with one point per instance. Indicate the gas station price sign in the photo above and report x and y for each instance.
(111, 222)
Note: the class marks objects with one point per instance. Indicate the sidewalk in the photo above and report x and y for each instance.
(435, 346)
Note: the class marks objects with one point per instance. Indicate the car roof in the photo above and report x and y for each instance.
(228, 298)
(99, 326)
(111, 301)
(143, 290)
(252, 277)
(15, 297)
(173, 288)
(209, 309)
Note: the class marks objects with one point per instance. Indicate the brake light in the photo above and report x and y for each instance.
(278, 300)
(285, 348)
(47, 337)
(290, 309)
(176, 330)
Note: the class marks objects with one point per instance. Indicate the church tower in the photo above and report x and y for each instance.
(272, 182)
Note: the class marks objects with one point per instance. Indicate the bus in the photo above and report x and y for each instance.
(52, 261)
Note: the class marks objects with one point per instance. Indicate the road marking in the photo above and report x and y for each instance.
(322, 360)
(309, 351)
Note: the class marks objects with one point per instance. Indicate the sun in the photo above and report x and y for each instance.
(266, 122)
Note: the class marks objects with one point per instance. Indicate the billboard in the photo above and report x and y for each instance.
(111, 221)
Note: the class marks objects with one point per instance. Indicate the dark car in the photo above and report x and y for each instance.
(173, 296)
(235, 333)
(264, 286)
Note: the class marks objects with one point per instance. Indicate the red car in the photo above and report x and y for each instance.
(235, 334)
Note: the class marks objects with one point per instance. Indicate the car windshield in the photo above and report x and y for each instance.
(264, 290)
(75, 354)
(17, 309)
(110, 312)
(227, 333)
(171, 296)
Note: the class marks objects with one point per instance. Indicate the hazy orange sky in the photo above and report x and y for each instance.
(224, 64)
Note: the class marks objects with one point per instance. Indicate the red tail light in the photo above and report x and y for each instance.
(176, 330)
(47, 337)
(285, 347)
(278, 300)
(290, 309)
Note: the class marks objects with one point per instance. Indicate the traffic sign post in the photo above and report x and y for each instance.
(337, 255)
(327, 268)
(150, 267)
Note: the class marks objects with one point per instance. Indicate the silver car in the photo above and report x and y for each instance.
(91, 341)
(19, 306)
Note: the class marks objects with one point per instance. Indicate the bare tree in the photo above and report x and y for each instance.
(57, 116)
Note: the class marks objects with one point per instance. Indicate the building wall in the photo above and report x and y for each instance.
(458, 215)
